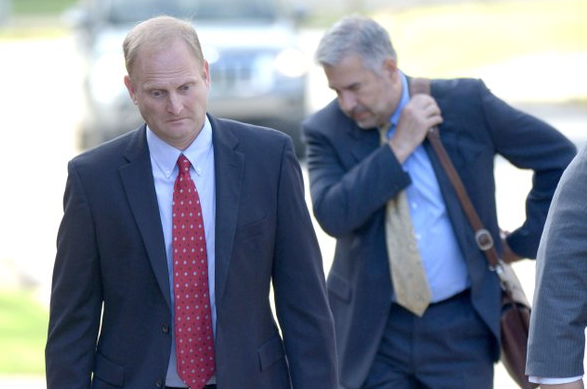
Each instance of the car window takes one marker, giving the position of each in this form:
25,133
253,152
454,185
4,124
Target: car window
131,11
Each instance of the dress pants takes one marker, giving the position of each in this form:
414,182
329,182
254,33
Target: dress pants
449,347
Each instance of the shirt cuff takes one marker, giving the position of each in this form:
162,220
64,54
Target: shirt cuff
553,381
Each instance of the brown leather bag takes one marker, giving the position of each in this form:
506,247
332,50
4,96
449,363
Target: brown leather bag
515,308
515,322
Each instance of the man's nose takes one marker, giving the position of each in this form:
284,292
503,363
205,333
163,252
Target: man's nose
174,104
347,101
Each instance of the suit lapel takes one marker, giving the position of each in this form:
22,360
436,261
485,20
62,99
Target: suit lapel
137,180
363,141
229,166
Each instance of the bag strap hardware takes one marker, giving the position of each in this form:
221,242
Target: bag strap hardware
484,239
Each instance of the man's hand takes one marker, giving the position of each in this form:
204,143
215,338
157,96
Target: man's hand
507,254
417,117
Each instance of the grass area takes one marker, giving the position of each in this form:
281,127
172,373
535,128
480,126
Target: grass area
429,39
40,7
444,40
23,332
34,19
32,32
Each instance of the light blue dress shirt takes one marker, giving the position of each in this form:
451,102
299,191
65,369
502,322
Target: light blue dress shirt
164,164
442,258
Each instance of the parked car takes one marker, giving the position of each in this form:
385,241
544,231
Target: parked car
258,72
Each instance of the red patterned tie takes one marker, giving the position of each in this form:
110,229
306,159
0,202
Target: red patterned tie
193,317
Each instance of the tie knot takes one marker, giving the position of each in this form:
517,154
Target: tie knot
383,130
184,164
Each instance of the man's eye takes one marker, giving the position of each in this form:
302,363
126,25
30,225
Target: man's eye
156,93
185,88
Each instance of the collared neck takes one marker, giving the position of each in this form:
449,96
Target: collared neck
405,98
165,156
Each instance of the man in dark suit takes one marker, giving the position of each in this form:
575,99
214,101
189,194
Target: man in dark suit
357,173
115,319
556,346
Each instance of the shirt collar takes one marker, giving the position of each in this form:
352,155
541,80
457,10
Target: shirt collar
403,100
165,156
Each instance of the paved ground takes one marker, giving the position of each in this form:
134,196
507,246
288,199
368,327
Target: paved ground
41,101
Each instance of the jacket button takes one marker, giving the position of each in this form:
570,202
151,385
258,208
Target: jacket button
159,383
165,329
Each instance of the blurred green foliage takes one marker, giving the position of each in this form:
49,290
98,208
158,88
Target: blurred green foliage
23,332
40,7
448,40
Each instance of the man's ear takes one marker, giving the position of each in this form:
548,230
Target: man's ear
130,88
390,67
206,74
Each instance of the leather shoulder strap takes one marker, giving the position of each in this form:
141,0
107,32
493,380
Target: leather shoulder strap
419,86
482,235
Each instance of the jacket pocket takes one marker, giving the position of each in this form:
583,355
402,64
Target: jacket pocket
108,371
271,352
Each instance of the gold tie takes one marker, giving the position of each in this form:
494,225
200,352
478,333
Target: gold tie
405,263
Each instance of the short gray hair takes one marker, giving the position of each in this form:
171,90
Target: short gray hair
356,34
159,32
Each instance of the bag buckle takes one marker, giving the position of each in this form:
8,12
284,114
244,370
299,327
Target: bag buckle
484,239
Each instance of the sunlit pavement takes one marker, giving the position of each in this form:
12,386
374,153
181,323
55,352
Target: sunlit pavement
41,107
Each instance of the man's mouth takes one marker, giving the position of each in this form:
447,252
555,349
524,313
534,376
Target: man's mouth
358,114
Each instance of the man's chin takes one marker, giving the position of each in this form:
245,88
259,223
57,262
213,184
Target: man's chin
364,121
365,124
180,126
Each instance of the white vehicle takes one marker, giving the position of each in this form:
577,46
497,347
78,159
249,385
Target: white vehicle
258,72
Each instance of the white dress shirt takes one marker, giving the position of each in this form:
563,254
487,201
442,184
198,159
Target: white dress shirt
164,165
553,381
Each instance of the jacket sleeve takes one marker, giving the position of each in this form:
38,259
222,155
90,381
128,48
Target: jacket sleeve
528,143
76,295
299,286
557,330
346,192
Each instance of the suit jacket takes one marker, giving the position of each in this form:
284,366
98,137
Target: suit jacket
352,177
556,345
110,320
